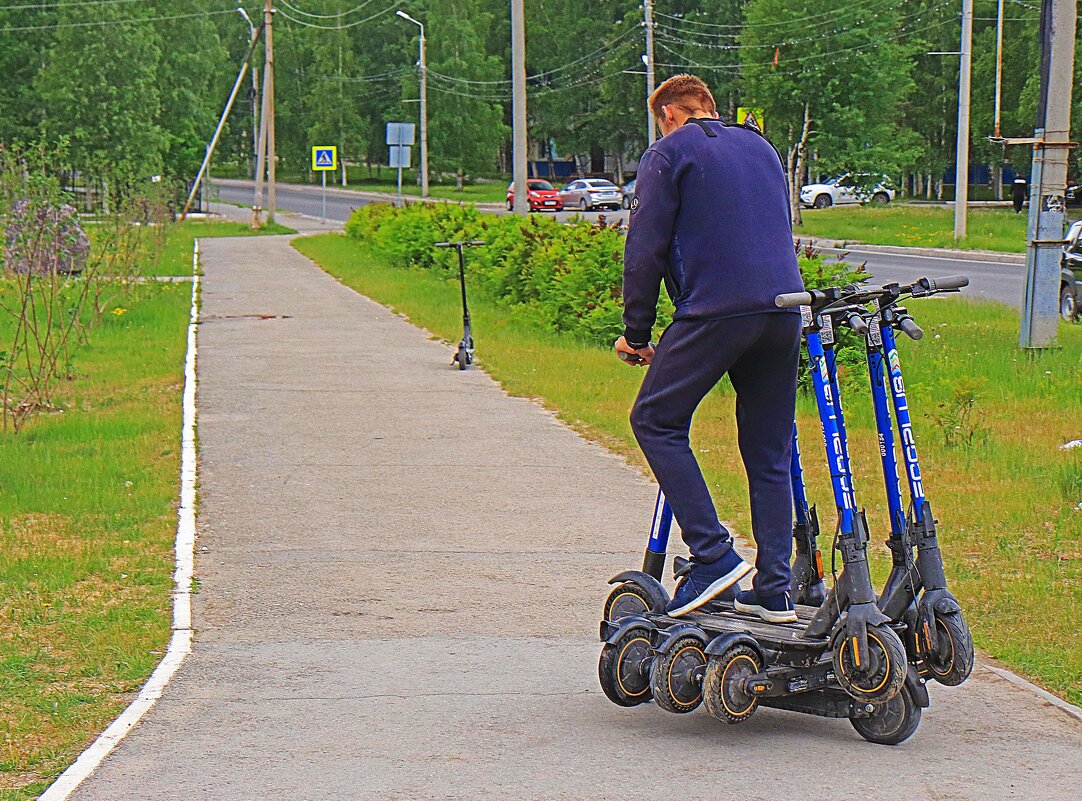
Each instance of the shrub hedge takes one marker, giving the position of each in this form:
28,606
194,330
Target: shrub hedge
565,277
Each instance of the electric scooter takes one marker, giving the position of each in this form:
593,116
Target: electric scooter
464,354
939,635
840,660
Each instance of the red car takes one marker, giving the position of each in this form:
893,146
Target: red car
543,196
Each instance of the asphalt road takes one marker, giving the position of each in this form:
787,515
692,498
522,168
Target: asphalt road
990,280
401,573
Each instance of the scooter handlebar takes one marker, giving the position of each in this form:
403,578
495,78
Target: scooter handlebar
946,282
910,328
857,323
790,300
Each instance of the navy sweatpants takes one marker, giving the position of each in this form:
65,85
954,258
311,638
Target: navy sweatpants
759,353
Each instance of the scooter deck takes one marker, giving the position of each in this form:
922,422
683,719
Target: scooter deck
724,619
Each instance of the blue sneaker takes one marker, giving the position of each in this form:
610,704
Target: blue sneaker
705,582
772,609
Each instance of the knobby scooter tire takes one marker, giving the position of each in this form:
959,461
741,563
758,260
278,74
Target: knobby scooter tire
623,669
626,599
676,676
883,677
951,661
724,695
892,722
463,359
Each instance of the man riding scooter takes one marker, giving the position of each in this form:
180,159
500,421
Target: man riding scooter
710,218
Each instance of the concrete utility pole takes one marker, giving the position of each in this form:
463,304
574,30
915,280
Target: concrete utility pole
255,91
961,160
999,66
265,161
1048,175
648,17
518,116
422,64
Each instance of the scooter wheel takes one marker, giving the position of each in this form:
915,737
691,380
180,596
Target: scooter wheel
724,695
624,668
463,359
676,676
881,678
951,661
892,722
626,599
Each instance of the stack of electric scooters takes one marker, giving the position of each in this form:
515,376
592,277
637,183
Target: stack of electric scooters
852,653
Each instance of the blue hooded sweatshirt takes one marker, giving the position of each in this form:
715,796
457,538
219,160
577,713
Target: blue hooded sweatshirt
710,218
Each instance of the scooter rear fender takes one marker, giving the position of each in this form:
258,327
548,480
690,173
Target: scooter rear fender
724,642
611,632
674,633
659,598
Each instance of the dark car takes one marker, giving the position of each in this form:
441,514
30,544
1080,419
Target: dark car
542,195
1070,280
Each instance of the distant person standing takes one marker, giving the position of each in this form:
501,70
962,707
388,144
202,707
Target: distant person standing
1019,190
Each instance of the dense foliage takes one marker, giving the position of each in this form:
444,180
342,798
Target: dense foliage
566,278
140,85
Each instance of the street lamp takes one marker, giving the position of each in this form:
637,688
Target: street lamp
424,102
255,92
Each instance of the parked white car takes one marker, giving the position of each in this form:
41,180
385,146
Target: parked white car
591,193
844,189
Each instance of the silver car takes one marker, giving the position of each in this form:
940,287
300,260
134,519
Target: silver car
591,193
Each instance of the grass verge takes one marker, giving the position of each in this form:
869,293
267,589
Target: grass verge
916,226
87,521
990,421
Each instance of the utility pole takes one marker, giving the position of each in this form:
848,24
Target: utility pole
205,166
1048,175
648,15
422,64
255,90
961,160
268,87
999,65
264,121
519,138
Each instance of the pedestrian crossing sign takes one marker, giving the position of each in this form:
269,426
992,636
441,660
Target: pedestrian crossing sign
325,158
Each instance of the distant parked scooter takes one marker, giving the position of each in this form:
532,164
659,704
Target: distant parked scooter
464,355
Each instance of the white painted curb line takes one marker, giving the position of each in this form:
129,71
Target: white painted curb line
180,645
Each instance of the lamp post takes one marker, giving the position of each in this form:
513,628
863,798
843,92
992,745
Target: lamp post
255,92
424,101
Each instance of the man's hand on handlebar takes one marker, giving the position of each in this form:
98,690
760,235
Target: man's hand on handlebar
637,356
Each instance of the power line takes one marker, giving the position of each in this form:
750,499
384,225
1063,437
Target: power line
107,22
303,13
800,21
340,26
37,6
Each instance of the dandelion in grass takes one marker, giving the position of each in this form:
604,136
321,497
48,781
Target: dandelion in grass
119,310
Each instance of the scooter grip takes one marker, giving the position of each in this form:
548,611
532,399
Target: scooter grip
856,322
948,282
910,328
790,300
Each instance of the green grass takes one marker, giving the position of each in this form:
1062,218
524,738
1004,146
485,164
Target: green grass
916,226
175,257
87,521
1011,527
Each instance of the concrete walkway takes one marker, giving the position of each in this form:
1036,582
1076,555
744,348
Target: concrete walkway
401,575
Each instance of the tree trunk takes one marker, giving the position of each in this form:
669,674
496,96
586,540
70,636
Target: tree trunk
460,180
795,167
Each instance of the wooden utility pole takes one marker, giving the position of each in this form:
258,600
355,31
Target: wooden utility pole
519,138
265,157
1048,175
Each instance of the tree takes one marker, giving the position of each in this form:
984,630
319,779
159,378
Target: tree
831,76
99,86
